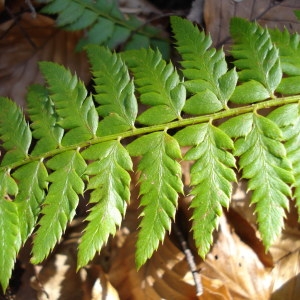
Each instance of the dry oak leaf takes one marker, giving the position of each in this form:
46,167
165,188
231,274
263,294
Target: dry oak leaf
237,266
217,15
286,273
26,41
165,276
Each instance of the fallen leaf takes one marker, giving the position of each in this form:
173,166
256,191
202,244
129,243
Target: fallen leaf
26,42
237,266
217,15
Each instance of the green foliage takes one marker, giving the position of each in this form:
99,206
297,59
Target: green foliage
158,168
71,142
258,61
110,185
104,23
158,84
211,178
204,69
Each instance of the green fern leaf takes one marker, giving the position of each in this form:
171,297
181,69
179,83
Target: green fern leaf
96,15
263,161
115,91
160,183
76,111
9,227
44,120
211,178
288,119
61,201
110,184
14,132
32,184
289,51
205,69
258,61
158,84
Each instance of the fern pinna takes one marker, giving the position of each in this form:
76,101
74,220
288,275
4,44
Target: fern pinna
74,142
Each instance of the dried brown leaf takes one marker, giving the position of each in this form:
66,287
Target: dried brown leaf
217,15
237,266
165,276
26,41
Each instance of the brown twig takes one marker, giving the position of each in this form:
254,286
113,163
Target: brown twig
190,260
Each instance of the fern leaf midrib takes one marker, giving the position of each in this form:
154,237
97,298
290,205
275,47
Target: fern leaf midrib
161,127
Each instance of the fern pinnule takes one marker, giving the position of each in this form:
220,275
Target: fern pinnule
211,178
32,182
264,163
14,132
289,51
44,120
288,45
159,86
257,60
10,240
115,91
160,183
60,203
204,69
110,185
288,119
75,109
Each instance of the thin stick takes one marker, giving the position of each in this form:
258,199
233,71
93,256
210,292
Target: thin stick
190,260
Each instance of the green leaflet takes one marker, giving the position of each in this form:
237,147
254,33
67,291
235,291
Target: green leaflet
204,68
61,201
76,111
257,59
109,183
14,132
44,120
9,227
158,84
32,184
288,119
115,91
160,183
289,50
263,161
96,15
211,178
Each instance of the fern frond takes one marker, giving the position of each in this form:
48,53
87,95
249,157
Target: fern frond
257,59
44,120
14,132
9,227
204,68
263,161
76,110
160,183
61,201
211,177
32,182
109,183
96,15
159,86
289,51
115,91
288,119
